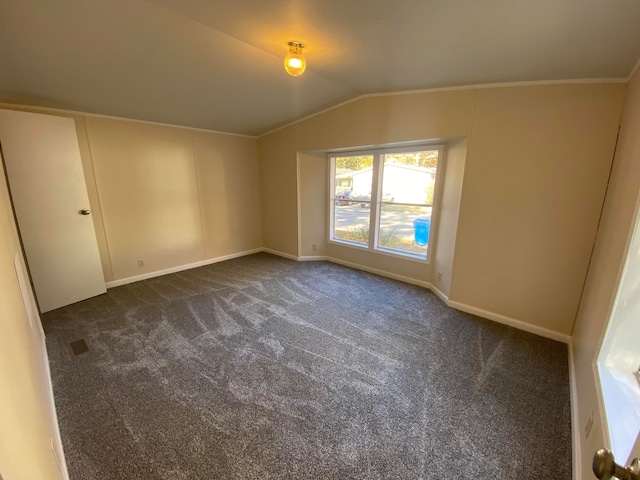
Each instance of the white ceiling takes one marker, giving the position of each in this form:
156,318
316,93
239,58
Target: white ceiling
217,64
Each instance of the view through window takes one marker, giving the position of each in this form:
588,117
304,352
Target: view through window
384,200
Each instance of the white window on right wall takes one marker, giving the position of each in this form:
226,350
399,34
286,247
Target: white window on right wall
389,204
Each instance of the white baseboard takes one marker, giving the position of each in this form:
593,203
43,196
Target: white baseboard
496,317
180,268
575,427
382,273
439,293
512,322
280,254
317,258
56,441
544,332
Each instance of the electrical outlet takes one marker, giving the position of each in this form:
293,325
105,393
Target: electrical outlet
140,263
439,276
314,247
587,429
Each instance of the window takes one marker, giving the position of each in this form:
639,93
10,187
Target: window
383,200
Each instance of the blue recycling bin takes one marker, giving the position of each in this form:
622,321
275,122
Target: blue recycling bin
422,227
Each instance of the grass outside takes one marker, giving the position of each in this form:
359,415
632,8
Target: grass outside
388,238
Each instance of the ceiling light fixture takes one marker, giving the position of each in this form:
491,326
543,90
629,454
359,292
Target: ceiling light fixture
294,62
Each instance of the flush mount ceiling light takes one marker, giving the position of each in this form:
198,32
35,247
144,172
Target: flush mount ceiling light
294,62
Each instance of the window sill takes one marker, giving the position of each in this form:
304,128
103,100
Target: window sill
380,251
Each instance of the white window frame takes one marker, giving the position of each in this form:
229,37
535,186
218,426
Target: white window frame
376,203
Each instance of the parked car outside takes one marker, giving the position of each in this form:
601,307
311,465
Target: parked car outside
365,198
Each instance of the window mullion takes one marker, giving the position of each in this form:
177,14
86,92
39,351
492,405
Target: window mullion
332,189
375,204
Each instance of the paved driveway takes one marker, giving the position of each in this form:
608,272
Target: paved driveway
400,221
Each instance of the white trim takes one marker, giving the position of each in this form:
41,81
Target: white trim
57,440
382,273
496,317
180,268
31,310
439,293
532,83
103,221
379,251
375,271
375,210
512,322
604,421
113,117
316,258
298,203
634,70
520,325
280,254
575,427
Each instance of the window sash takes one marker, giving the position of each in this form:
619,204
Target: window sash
376,203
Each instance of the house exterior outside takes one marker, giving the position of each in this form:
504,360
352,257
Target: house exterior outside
402,183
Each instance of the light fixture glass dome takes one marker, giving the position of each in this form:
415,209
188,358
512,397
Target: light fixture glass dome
294,62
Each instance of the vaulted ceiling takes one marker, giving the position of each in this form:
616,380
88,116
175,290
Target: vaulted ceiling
218,64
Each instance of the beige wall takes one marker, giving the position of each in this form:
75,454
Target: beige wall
172,196
28,423
229,190
604,271
278,191
537,163
536,170
386,119
167,195
365,122
534,185
448,209
147,184
313,177
313,172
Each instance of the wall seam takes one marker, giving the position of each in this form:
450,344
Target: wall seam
604,200
299,212
200,216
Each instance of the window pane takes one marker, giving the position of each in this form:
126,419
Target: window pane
404,228
351,197
409,177
351,223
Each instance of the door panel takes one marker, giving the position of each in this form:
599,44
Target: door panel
47,185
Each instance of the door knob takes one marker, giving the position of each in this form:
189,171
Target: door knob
606,468
85,211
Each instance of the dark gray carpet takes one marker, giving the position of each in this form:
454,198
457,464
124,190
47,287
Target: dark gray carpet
261,367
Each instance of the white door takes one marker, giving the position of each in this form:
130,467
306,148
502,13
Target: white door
50,198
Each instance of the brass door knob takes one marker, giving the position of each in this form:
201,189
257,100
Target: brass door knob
606,468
